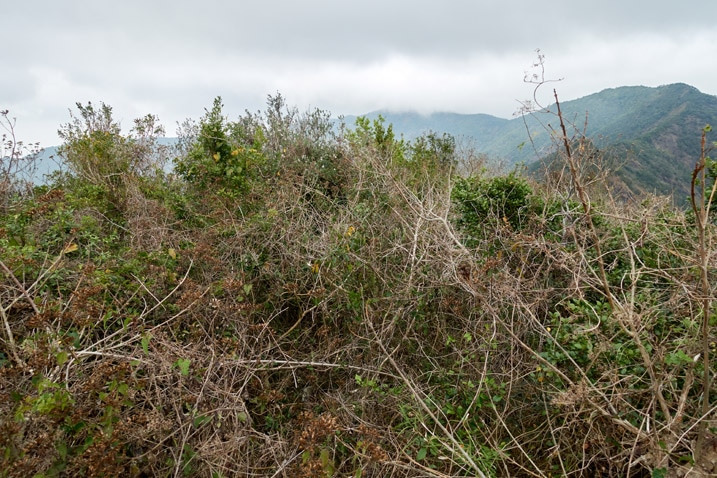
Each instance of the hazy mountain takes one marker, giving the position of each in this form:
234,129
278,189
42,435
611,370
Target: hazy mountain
43,163
653,133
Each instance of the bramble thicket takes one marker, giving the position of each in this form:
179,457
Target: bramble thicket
281,296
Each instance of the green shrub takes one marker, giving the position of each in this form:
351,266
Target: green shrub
482,203
218,162
98,154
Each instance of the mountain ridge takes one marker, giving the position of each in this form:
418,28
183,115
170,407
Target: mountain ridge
655,129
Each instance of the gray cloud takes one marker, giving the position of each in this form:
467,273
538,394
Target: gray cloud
172,58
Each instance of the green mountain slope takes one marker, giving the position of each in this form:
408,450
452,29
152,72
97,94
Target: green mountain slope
652,132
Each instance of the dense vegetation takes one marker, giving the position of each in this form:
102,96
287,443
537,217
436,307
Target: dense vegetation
300,300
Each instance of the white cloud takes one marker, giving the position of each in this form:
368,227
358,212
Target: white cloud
173,58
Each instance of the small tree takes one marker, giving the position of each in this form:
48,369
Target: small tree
96,151
92,143
213,159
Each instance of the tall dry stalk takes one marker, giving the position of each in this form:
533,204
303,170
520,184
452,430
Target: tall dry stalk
701,198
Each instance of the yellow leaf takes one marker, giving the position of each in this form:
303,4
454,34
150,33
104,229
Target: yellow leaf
235,152
172,253
71,247
216,156
315,268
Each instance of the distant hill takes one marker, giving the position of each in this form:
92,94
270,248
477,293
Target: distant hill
653,132
45,162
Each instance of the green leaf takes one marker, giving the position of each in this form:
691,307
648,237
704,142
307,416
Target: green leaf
326,462
61,358
421,455
183,366
122,389
61,448
659,473
145,344
201,420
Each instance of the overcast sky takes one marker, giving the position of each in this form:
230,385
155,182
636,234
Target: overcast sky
171,58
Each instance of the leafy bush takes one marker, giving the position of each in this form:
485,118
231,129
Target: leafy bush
483,203
99,154
218,162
